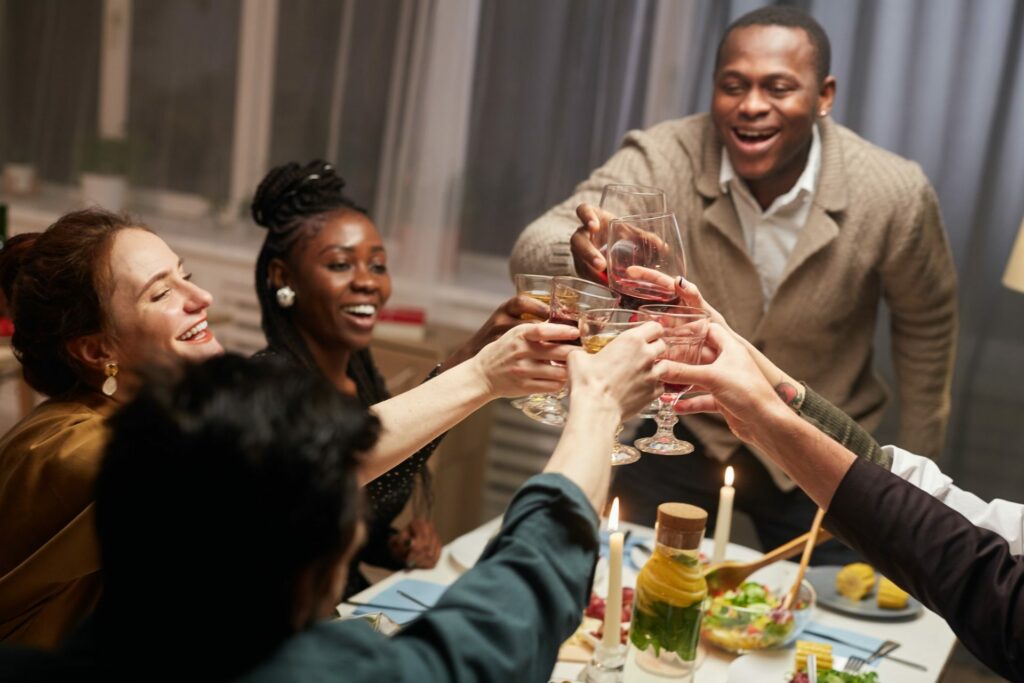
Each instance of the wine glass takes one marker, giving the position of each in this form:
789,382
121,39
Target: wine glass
651,241
627,200
686,328
630,200
598,327
536,287
570,298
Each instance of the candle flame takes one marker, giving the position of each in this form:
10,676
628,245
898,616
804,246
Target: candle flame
613,516
730,475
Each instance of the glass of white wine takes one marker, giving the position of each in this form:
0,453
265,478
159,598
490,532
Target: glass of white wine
536,287
598,327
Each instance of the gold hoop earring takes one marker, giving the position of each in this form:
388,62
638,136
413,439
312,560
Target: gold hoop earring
110,383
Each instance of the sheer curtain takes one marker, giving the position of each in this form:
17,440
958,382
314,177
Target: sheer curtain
181,103
556,86
940,82
49,66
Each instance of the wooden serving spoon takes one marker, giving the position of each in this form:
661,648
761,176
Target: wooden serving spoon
812,541
728,575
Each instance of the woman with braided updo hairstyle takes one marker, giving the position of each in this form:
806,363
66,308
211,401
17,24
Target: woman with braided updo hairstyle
322,278
96,299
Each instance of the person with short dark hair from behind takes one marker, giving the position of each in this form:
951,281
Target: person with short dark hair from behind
228,510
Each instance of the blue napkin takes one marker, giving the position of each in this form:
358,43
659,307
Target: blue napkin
870,643
631,542
400,609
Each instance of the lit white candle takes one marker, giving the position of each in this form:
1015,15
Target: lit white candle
613,605
723,525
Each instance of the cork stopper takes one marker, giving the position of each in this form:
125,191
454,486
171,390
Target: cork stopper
681,525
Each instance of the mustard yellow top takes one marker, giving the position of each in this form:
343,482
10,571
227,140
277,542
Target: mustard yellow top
49,555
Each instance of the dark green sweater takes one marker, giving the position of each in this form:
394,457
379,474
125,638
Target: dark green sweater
503,620
842,428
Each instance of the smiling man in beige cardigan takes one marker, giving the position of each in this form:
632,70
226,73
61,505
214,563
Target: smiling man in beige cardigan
795,229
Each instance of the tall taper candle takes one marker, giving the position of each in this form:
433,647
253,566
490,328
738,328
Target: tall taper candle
723,524
613,605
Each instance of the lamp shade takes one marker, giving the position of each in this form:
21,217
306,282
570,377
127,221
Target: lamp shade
1013,277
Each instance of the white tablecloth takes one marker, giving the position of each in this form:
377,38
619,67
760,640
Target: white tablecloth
926,640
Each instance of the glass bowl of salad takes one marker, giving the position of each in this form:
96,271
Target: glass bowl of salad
751,617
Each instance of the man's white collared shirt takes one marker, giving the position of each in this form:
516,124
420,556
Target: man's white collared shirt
772,234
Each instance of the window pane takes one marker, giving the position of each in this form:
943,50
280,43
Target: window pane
309,36
49,81
184,58
548,109
307,46
365,105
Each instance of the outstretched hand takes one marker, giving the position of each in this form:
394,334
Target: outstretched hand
738,389
625,371
515,311
519,362
587,241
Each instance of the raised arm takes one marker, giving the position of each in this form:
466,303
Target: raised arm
919,282
515,364
964,573
505,619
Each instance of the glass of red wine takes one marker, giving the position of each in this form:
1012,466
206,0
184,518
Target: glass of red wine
686,328
570,298
650,241
627,200
598,327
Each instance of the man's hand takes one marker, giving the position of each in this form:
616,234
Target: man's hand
588,241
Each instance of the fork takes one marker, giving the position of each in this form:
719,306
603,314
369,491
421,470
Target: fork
855,663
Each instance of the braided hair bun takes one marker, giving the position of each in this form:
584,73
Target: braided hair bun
292,192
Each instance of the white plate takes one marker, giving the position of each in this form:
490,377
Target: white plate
466,549
771,666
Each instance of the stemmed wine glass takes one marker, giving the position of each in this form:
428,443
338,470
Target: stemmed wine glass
650,241
630,200
626,200
686,328
597,328
535,287
570,298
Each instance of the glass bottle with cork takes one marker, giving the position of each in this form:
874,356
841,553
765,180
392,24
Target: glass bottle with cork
670,593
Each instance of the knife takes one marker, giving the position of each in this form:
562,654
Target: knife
912,665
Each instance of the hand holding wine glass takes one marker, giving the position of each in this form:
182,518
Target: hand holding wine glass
598,327
570,298
590,240
686,329
649,241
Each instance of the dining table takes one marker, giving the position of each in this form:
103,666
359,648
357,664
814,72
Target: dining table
925,640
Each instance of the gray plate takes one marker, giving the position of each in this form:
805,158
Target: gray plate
824,581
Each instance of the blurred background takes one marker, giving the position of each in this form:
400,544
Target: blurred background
456,122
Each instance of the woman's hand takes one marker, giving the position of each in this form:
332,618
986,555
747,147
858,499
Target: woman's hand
738,389
417,545
624,373
515,311
520,361
789,389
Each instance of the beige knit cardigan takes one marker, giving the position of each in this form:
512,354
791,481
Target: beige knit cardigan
874,232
